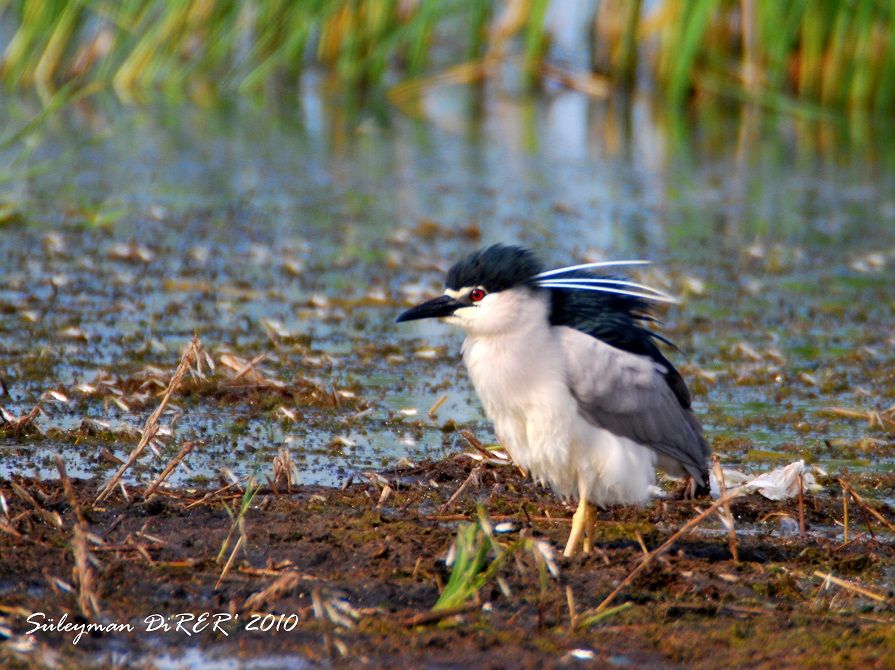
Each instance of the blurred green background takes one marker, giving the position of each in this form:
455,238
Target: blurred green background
825,53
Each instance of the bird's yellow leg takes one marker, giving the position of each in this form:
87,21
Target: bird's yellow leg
589,518
578,523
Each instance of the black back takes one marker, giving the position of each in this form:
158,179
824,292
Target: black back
618,321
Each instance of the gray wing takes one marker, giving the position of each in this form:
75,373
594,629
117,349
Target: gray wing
627,394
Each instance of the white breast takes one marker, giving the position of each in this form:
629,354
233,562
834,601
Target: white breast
521,381
518,365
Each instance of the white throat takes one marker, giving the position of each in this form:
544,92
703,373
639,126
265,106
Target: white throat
508,364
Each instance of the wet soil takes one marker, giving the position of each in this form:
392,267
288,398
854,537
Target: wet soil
355,572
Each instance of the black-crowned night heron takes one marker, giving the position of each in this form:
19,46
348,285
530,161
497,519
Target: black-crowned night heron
580,395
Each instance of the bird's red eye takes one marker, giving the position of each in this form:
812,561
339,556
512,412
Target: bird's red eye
477,294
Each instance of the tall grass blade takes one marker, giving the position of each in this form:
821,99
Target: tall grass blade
534,39
694,22
838,53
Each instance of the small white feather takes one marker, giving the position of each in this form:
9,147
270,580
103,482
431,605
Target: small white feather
604,289
600,281
586,266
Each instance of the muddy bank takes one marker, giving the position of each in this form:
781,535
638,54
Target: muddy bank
350,576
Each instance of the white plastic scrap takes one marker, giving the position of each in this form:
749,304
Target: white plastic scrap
778,484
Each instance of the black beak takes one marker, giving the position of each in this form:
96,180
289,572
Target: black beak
443,305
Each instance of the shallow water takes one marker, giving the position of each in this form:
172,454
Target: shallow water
194,658
144,225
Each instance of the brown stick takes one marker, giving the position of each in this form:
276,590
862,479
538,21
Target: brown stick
211,494
282,584
88,601
437,615
731,530
827,577
801,506
501,517
229,562
475,444
473,476
573,614
844,516
320,614
562,520
665,546
69,490
22,422
151,426
858,499
12,531
49,517
248,367
172,464
433,410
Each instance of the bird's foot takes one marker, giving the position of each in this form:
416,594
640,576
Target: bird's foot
692,489
582,524
589,519
687,491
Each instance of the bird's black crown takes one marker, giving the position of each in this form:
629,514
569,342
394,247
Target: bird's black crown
496,268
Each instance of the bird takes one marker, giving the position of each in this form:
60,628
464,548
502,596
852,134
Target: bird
572,378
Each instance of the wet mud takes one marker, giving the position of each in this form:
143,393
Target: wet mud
353,573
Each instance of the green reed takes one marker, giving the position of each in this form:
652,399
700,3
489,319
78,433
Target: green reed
830,53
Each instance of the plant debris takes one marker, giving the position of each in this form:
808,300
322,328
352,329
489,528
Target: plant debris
363,577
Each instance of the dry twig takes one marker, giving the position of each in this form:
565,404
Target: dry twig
211,494
229,562
801,506
172,465
475,444
858,499
472,479
320,615
280,586
190,354
665,546
437,615
728,515
51,518
69,490
844,516
17,424
849,586
433,410
570,601
82,573
248,367
873,417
